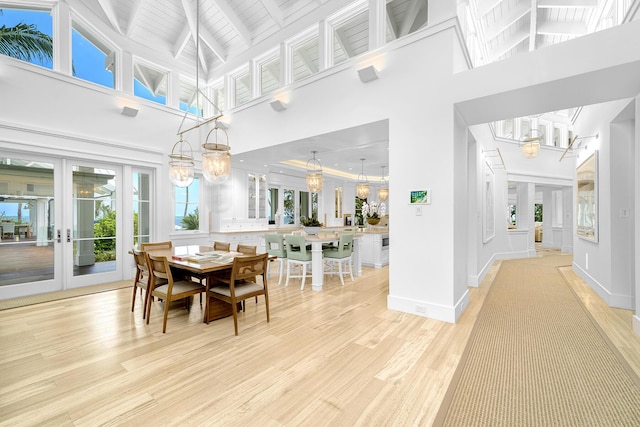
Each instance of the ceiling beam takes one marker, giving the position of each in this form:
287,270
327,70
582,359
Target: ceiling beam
274,11
485,6
134,14
508,44
533,25
212,43
233,19
391,22
107,7
307,61
346,48
181,42
410,16
567,4
563,29
192,22
507,20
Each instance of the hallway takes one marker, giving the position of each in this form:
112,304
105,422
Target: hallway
338,356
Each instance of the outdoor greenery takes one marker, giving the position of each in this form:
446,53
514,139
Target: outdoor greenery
104,231
310,222
191,221
538,212
26,43
289,206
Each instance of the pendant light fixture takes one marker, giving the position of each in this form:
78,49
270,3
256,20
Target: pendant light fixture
181,165
314,174
530,145
216,159
362,187
383,190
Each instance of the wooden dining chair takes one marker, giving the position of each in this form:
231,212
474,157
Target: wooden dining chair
222,246
150,246
172,290
247,250
242,284
141,280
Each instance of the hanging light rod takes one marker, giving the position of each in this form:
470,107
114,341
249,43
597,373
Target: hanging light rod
596,136
197,125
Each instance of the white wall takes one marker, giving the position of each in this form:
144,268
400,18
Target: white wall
595,261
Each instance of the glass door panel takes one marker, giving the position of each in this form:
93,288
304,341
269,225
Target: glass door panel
94,221
30,255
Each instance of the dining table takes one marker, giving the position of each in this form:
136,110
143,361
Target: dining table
317,258
201,261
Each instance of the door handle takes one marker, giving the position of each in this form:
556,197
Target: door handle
68,235
58,233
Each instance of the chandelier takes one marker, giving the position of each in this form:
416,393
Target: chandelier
530,145
362,187
216,159
314,174
383,191
181,165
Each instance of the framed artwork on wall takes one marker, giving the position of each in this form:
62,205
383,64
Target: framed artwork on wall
488,203
587,198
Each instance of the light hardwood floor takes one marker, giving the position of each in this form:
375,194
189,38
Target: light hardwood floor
336,357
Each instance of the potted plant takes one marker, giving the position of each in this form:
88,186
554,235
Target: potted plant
372,212
311,225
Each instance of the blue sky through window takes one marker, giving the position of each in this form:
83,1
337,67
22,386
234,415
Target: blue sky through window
42,19
88,60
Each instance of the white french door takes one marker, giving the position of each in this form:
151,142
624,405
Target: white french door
92,222
59,222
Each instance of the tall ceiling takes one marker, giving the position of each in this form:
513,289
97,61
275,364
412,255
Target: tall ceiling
231,32
508,27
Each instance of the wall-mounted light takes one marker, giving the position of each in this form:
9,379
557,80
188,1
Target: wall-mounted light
278,105
368,74
129,111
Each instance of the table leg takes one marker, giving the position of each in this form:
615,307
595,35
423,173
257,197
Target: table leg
317,273
357,263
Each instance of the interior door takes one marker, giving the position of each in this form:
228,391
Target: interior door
30,250
92,222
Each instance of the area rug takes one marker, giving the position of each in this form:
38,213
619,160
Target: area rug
54,296
537,358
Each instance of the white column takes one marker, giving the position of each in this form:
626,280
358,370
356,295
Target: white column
62,38
377,23
547,218
325,39
567,219
124,73
530,218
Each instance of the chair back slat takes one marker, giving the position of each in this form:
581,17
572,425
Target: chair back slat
159,267
140,260
247,249
275,245
248,267
155,245
221,246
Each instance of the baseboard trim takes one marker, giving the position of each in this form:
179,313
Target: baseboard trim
612,300
475,280
441,312
636,324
